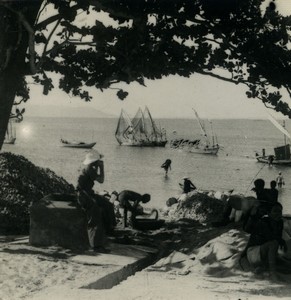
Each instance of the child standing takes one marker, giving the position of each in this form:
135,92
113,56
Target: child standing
280,180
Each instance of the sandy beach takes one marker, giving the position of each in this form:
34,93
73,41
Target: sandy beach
204,267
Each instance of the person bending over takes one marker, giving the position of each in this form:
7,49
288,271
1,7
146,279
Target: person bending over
129,201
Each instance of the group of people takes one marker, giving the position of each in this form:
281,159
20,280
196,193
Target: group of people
99,209
264,223
263,220
187,184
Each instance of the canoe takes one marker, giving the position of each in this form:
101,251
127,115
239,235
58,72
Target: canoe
78,145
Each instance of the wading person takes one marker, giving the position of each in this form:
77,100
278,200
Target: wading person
88,200
280,180
166,166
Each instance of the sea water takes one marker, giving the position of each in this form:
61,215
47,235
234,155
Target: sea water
139,169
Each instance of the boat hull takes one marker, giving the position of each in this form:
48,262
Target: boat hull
79,146
209,150
144,144
265,160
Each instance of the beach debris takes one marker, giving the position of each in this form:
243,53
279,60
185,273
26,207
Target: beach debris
23,183
198,206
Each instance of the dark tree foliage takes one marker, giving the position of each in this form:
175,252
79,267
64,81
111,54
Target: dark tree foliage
231,40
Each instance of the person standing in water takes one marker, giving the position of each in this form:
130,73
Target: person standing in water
166,166
280,180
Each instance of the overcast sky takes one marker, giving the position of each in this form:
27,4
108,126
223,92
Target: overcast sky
172,97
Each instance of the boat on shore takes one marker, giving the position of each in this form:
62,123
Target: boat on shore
205,145
10,136
81,145
141,131
282,154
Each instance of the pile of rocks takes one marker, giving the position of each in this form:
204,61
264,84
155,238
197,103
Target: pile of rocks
23,183
199,206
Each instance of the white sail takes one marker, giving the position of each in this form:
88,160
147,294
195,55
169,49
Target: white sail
200,123
124,127
139,131
279,126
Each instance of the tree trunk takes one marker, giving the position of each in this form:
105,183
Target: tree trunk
13,48
7,95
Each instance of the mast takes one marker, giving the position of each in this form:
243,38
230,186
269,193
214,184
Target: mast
212,133
285,140
279,126
153,126
201,127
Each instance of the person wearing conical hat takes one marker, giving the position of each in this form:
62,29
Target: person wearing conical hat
187,185
88,200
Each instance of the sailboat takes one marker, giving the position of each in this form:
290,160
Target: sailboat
208,144
140,131
205,145
282,155
10,136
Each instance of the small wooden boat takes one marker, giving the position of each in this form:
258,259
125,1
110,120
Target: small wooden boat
273,160
282,154
205,145
80,145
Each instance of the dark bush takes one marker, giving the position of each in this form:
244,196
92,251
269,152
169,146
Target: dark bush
23,183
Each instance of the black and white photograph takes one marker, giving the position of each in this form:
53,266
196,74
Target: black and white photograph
145,149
